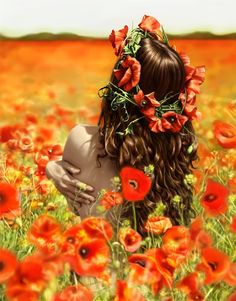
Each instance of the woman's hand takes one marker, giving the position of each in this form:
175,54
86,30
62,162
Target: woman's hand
63,174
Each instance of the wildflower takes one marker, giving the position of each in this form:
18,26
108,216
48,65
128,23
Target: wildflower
125,292
158,224
230,276
233,225
91,258
130,239
214,199
8,264
9,199
135,184
45,233
75,293
97,227
214,263
225,134
111,199
149,24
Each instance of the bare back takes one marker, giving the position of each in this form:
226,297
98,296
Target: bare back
81,149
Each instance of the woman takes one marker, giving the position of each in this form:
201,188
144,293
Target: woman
146,116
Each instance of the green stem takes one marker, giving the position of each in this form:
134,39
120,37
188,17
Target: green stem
134,214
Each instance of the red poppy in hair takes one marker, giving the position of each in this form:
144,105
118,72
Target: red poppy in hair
92,257
149,24
8,264
225,134
9,199
135,184
130,239
176,240
214,199
158,224
233,225
74,293
45,233
126,292
214,263
147,104
111,199
230,276
172,121
97,227
128,73
117,38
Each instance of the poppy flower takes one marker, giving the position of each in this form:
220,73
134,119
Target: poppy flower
149,24
147,103
130,239
117,39
128,73
230,276
189,283
233,225
8,264
214,199
225,134
45,233
7,132
135,184
176,240
91,257
195,227
214,263
111,199
232,297
172,121
163,267
75,293
143,269
203,240
97,227
125,292
9,199
158,224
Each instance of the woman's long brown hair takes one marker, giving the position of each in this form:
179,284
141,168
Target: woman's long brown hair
162,71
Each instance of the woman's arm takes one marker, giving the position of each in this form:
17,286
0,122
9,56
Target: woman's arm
64,175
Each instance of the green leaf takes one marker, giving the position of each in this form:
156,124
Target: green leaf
190,149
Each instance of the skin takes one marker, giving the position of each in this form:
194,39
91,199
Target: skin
78,165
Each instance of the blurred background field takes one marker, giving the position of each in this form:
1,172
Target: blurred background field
37,76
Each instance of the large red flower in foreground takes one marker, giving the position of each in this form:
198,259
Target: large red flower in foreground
45,233
128,73
135,184
225,134
9,199
126,292
97,227
214,263
74,293
117,39
214,199
130,239
8,264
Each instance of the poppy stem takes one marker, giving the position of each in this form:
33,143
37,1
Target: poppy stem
134,215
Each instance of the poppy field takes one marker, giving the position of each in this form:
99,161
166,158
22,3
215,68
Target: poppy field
46,252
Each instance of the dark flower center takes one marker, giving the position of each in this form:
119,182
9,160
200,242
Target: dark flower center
141,262
171,119
143,103
83,252
133,184
213,265
227,134
70,239
2,265
2,198
210,197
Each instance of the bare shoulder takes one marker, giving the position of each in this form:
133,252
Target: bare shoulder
80,140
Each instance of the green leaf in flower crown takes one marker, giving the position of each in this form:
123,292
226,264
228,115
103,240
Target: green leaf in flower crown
129,130
135,48
165,38
127,49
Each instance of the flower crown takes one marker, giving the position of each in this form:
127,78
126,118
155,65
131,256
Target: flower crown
161,116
